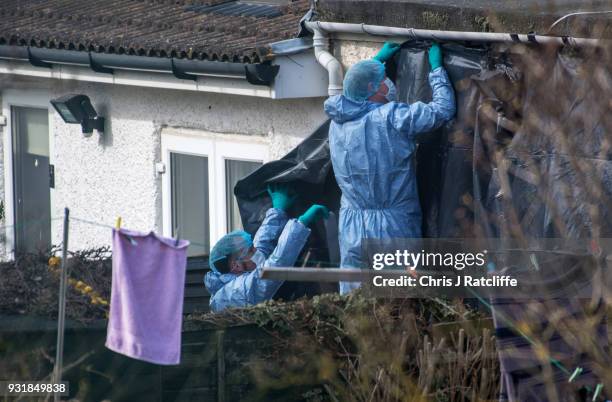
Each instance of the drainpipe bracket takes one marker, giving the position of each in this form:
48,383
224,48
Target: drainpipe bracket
181,74
97,67
260,74
36,62
531,37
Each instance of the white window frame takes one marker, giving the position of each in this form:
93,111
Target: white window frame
22,98
217,148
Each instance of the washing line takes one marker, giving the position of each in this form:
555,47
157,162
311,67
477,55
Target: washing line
29,221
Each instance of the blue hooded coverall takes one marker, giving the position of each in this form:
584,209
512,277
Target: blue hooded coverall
231,290
372,149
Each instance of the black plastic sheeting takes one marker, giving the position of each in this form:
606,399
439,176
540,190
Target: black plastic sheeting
457,172
460,185
542,168
444,172
528,155
308,170
444,157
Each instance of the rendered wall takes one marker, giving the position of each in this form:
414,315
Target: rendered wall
349,52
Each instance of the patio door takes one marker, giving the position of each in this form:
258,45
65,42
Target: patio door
201,172
31,178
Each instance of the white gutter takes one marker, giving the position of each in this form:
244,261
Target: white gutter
329,62
231,86
449,36
300,76
334,68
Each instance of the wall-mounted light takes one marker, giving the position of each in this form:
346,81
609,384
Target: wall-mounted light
77,109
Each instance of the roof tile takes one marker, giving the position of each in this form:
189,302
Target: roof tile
162,28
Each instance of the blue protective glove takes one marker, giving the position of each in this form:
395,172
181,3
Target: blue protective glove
387,51
435,56
282,197
313,214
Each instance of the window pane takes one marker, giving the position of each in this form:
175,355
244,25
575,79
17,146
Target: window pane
190,209
34,129
234,171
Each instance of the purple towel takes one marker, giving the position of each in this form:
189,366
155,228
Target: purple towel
146,311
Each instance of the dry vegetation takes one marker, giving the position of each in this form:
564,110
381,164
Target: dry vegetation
30,285
359,348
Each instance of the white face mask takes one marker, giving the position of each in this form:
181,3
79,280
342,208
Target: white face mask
391,95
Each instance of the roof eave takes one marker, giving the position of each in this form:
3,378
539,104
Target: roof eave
187,69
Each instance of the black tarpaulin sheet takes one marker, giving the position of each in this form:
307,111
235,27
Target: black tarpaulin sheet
308,167
556,163
546,173
444,157
461,191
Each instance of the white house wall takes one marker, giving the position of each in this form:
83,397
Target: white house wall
102,178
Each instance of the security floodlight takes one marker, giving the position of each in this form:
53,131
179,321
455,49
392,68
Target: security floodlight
77,109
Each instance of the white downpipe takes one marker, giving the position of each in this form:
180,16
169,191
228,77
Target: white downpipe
483,37
328,61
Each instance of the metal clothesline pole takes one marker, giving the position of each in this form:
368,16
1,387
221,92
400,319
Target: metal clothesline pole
61,315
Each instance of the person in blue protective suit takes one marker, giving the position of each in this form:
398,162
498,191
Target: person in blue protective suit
372,144
236,260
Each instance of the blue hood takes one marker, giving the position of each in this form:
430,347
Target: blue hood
341,109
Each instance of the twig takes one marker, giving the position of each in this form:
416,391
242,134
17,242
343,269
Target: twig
330,392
